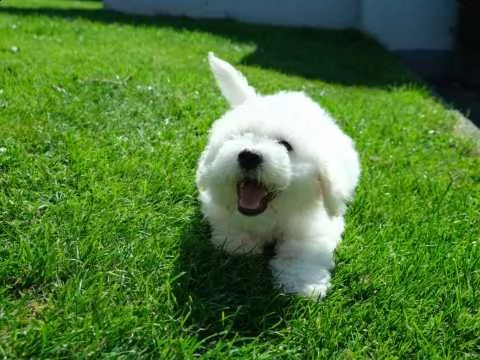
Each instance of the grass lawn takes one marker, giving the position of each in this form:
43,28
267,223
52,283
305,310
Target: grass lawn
103,251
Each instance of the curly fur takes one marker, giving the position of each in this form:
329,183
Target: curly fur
312,182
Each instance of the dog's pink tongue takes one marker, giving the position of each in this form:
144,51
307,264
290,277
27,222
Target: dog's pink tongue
251,195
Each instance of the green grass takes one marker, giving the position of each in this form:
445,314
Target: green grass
103,252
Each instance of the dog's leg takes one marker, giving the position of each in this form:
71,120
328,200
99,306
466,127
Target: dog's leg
304,257
302,270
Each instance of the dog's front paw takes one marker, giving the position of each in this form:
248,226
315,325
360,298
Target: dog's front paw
296,275
314,290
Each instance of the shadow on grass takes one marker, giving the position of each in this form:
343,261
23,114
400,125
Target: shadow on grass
226,296
345,57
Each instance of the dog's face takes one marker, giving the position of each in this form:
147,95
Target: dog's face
268,153
258,157
256,167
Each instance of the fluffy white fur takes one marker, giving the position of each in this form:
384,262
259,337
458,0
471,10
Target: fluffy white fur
313,182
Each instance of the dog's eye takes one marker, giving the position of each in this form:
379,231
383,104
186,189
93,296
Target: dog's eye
286,144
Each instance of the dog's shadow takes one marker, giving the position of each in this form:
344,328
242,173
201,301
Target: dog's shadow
222,295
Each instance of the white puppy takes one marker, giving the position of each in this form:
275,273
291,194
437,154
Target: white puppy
277,169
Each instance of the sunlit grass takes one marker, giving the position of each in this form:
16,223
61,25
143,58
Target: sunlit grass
103,252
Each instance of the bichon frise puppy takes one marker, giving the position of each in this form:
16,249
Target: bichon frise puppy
277,169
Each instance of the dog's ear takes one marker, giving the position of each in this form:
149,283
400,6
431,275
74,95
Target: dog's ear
338,178
232,83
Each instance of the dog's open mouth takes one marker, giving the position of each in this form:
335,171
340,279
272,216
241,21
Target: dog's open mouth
252,197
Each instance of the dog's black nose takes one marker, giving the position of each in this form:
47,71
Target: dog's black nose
249,160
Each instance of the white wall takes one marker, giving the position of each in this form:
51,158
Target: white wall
397,24
410,24
316,13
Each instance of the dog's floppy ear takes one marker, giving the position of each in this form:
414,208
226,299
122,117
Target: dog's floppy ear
338,178
232,83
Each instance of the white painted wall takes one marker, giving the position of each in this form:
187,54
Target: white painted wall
397,24
316,13
410,24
